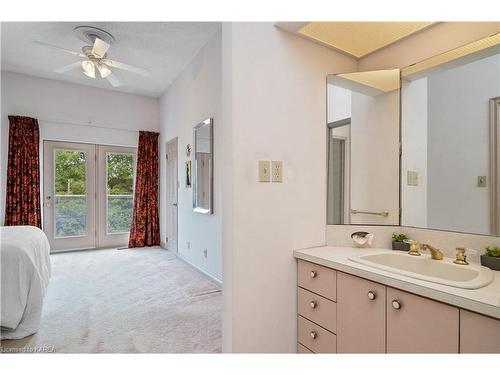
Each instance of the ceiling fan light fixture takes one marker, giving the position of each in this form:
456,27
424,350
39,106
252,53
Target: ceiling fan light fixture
88,68
104,71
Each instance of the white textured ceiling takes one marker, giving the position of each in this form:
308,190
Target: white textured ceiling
163,48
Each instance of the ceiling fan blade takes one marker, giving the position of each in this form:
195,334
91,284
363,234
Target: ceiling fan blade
115,82
122,66
58,48
100,48
67,68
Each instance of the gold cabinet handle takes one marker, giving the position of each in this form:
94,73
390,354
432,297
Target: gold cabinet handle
371,295
314,274
314,334
313,304
396,305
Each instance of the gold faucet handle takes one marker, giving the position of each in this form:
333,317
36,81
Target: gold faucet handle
461,255
414,247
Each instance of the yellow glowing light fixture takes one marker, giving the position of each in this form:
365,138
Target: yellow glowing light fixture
381,80
88,68
358,39
455,54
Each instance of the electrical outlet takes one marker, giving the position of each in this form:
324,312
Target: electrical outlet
188,245
412,178
205,253
277,170
264,171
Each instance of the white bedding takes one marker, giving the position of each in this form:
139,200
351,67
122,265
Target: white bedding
25,273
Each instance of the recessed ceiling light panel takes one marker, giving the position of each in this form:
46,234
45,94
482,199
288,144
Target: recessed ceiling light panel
358,39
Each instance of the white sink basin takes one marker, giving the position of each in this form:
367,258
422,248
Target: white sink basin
472,276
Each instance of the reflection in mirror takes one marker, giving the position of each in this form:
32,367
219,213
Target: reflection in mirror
450,139
363,148
203,167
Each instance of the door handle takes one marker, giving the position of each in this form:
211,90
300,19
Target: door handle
48,199
174,204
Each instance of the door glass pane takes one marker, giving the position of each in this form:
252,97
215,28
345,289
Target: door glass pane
70,203
120,191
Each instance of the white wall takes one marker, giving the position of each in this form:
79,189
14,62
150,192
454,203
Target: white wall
414,142
65,110
193,97
339,103
375,157
274,106
458,145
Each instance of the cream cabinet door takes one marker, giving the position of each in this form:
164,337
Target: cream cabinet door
360,315
478,333
419,325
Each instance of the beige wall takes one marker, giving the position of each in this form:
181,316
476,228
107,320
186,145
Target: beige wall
274,108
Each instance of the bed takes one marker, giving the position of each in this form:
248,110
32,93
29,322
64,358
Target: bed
25,273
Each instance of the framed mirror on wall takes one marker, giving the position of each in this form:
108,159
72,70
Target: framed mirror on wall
450,140
202,169
363,147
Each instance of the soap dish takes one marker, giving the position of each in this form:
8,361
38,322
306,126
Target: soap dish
362,239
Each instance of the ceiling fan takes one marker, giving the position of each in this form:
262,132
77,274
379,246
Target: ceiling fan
95,56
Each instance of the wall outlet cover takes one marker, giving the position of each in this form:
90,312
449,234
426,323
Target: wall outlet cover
277,171
264,171
412,178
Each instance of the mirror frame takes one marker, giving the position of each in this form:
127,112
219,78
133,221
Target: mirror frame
194,171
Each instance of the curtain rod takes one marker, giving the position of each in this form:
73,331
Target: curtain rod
90,125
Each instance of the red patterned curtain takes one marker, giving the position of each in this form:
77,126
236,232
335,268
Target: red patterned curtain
145,228
22,203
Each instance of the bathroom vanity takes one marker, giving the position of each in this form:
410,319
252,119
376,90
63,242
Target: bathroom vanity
348,307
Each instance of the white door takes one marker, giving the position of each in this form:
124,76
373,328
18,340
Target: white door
115,191
69,195
172,186
88,195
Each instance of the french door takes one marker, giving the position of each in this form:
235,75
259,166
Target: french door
88,194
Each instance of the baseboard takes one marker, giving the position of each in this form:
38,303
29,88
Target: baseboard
214,279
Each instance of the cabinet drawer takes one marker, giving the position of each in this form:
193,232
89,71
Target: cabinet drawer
301,349
318,309
318,279
479,334
317,339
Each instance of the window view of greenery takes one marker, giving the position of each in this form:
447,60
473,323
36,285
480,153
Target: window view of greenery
120,188
70,201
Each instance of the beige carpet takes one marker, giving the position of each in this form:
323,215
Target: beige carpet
127,301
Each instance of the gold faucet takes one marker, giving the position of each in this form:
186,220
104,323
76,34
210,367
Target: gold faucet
415,248
435,252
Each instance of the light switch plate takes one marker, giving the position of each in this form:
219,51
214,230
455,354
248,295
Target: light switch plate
481,181
264,171
277,171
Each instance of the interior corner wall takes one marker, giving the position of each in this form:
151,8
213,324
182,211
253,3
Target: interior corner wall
277,112
65,110
193,97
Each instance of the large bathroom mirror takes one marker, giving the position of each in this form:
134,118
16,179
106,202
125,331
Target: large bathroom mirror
363,147
203,167
450,176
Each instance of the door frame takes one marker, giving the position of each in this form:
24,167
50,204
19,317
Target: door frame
167,221
495,165
96,188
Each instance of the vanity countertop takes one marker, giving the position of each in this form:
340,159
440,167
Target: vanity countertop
485,300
